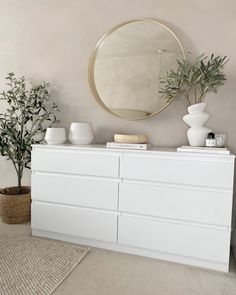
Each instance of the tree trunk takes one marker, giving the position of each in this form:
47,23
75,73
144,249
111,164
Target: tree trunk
19,184
19,176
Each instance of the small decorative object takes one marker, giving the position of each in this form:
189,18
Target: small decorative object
24,122
220,140
55,135
196,119
210,140
131,138
81,133
193,82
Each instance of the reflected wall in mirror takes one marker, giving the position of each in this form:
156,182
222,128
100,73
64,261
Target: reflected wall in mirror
126,66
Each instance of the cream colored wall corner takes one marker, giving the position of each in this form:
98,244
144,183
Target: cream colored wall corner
53,40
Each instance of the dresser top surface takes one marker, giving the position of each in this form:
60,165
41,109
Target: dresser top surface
152,150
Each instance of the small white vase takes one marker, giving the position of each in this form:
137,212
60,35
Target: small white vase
196,118
81,133
55,135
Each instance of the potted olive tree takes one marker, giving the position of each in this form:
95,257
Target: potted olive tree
27,115
192,82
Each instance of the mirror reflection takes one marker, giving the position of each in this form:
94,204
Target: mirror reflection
127,65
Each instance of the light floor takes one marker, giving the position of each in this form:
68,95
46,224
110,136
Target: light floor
110,273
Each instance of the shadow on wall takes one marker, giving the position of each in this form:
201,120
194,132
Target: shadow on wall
233,237
187,43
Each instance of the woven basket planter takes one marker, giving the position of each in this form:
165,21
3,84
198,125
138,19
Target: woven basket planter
15,208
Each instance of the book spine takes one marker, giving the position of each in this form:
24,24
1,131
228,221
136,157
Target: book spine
203,151
127,146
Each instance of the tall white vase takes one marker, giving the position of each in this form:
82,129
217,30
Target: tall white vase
196,118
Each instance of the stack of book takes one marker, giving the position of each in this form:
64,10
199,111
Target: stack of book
135,146
209,150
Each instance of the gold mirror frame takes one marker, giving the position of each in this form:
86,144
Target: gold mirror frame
93,60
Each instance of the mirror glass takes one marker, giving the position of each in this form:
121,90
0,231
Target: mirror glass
126,66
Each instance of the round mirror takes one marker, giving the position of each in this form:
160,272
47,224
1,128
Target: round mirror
126,66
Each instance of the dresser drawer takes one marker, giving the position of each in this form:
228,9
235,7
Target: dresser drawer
180,170
175,202
75,162
75,190
74,221
199,242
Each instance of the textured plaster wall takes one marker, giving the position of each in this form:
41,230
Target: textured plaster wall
53,40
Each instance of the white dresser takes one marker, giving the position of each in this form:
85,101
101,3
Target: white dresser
158,203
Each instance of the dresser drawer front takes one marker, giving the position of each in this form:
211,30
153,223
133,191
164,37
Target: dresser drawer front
179,170
75,162
191,241
74,190
74,221
175,202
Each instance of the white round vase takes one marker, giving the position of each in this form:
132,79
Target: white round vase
81,133
196,118
55,135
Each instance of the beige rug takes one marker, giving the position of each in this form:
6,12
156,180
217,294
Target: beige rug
35,266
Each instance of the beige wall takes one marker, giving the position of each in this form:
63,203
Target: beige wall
53,39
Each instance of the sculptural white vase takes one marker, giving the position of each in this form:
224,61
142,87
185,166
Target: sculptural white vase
196,118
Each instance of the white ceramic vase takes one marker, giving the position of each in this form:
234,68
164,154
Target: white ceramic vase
196,118
81,133
55,135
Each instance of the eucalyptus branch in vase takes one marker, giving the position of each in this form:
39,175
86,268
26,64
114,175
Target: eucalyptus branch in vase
193,81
